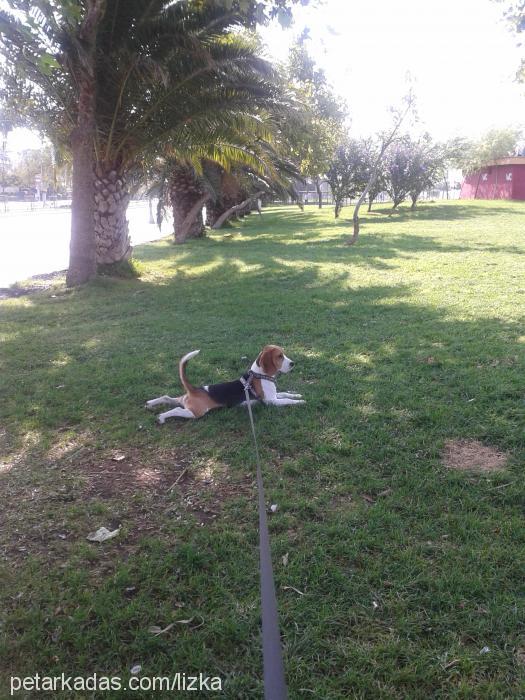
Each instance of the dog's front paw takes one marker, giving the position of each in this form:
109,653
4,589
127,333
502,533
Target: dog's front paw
150,405
160,420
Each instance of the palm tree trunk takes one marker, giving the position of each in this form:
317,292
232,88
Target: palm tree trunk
82,259
242,206
111,226
185,192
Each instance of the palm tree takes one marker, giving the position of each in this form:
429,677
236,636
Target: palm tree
123,80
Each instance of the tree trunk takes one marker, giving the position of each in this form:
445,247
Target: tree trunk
236,209
414,201
319,193
185,192
370,202
150,205
216,209
82,260
111,225
375,170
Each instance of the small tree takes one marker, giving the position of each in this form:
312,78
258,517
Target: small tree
427,167
378,184
314,130
398,170
347,173
377,165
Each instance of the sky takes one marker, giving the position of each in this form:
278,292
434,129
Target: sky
460,55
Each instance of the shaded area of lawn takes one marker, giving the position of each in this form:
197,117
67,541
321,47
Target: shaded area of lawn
408,570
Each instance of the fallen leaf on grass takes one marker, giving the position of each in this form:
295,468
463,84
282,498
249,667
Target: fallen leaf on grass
118,457
386,492
368,498
285,559
156,630
137,668
102,534
292,588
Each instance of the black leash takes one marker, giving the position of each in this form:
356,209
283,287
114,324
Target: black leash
273,666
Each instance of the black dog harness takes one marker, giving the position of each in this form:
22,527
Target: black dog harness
233,393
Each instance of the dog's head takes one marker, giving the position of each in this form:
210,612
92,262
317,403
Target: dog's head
272,360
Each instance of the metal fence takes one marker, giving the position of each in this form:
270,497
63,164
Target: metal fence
11,205
382,198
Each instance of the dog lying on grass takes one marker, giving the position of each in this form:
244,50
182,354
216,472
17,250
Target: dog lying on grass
260,380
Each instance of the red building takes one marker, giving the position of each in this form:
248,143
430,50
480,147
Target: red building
501,179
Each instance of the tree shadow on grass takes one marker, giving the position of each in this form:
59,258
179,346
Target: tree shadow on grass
386,380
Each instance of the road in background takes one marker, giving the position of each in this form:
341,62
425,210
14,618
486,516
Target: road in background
37,242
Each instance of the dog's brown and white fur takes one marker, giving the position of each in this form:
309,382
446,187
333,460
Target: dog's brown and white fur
197,401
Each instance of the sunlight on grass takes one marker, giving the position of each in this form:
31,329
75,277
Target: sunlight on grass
403,343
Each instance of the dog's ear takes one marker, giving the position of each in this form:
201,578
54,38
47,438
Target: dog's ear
258,360
269,360
277,358
265,359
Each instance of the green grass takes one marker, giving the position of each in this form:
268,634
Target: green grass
408,569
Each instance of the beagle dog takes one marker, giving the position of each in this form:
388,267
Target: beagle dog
260,380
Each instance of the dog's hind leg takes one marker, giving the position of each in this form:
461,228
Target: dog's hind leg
175,413
162,400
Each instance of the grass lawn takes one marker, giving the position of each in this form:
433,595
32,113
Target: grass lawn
399,571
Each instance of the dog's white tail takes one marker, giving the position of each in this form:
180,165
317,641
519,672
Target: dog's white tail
182,373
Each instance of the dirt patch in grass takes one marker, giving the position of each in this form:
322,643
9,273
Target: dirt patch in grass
55,506
38,283
472,455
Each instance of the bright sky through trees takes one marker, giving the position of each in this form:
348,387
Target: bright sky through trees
460,54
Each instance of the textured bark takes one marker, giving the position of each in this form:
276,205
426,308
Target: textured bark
111,226
185,192
229,194
236,209
192,214
82,260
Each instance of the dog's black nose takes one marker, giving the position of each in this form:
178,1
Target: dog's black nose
292,363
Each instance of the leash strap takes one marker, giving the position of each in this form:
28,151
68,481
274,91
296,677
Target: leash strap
273,666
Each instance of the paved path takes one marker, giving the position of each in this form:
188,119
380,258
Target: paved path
37,242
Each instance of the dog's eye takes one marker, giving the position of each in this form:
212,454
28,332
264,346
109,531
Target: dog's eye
281,356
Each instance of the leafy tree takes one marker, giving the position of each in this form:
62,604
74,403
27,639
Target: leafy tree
262,11
398,165
470,155
375,166
427,167
378,184
314,130
125,80
413,167
347,173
